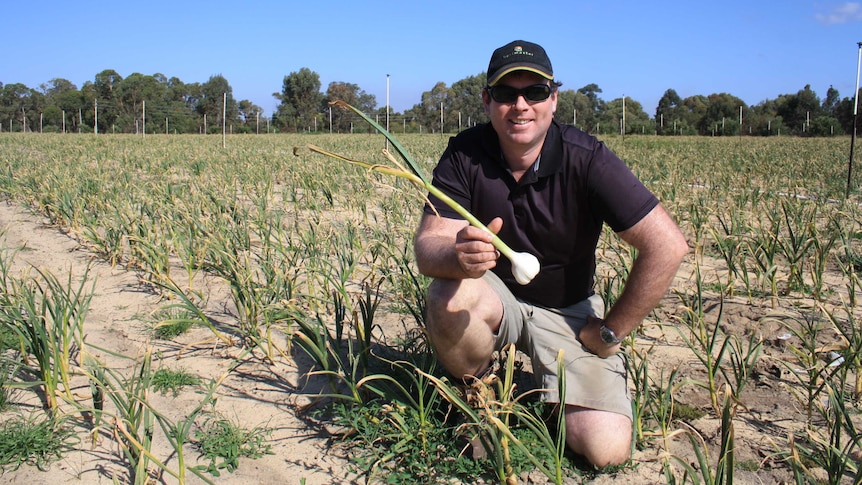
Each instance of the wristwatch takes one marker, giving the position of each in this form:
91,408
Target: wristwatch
608,336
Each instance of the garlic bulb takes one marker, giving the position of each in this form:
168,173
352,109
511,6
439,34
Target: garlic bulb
525,267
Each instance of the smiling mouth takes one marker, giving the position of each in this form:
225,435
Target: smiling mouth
520,122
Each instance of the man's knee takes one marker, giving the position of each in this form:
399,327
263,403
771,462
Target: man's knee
440,305
457,326
603,438
608,453
440,293
451,304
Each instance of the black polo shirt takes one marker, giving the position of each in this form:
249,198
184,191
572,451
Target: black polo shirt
555,211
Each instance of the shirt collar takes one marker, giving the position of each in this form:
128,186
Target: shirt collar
551,157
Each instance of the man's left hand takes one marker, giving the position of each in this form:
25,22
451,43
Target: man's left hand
592,340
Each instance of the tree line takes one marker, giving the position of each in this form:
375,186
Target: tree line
158,104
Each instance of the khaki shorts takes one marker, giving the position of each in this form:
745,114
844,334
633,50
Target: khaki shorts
540,332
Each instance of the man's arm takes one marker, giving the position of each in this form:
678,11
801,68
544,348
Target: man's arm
453,249
661,249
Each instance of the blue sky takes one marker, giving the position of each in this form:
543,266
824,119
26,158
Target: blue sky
753,49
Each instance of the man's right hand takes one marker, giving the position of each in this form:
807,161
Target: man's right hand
474,250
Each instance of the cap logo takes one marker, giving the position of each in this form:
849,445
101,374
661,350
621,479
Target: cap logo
520,50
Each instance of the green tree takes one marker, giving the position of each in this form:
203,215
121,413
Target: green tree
249,116
830,102
466,102
300,100
565,106
106,89
762,119
15,100
428,111
588,107
576,108
343,120
216,98
411,119
134,91
825,126
809,106
57,86
844,113
688,114
592,91
180,101
797,110
636,118
58,92
106,83
667,111
721,116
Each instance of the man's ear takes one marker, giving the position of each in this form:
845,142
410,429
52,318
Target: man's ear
486,102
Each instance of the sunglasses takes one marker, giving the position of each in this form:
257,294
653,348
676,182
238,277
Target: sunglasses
508,94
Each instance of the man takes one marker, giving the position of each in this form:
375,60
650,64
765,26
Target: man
547,189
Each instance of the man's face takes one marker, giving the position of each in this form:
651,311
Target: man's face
521,122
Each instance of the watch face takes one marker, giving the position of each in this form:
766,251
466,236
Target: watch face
608,335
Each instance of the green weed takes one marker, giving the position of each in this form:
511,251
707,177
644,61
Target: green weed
36,440
223,442
173,380
171,322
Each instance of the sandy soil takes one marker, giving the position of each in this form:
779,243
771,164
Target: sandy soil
268,395
253,395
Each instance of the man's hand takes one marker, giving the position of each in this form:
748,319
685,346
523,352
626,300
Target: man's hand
474,250
592,340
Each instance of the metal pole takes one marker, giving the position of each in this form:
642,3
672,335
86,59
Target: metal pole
387,110
623,126
855,118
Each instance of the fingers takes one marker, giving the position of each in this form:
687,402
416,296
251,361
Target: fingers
475,252
476,257
471,232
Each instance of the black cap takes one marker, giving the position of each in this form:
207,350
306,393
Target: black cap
519,55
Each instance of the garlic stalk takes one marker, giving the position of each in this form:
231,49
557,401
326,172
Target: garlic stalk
525,266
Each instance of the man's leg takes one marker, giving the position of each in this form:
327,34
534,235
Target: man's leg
602,437
598,416
462,316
